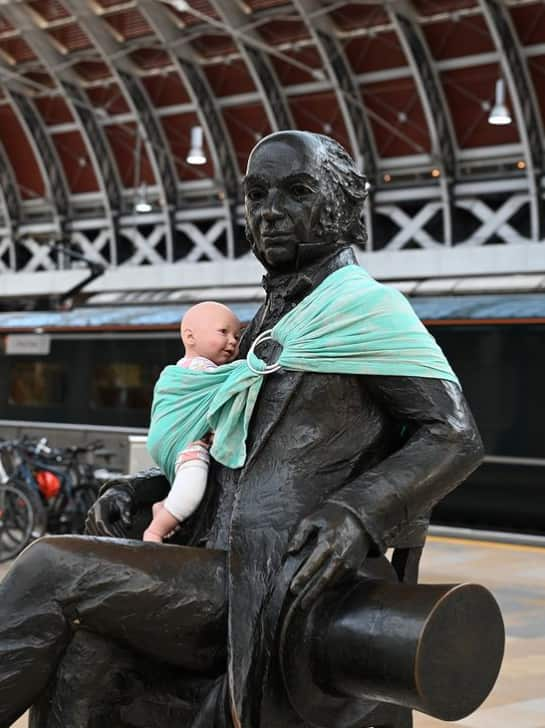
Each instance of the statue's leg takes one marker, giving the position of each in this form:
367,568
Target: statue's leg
100,683
166,602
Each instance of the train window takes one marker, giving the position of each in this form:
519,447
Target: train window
37,384
123,385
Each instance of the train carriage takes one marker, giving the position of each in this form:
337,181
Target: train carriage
89,372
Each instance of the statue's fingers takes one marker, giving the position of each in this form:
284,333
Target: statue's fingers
117,530
321,581
314,563
126,517
304,530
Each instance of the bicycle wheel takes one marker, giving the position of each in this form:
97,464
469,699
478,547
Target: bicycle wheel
17,519
82,499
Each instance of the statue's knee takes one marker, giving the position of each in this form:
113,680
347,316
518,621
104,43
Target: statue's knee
39,561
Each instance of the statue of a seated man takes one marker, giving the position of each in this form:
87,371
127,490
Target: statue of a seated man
338,467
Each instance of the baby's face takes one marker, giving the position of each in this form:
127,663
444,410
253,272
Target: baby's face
217,336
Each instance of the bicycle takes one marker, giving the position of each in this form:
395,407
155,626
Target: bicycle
21,514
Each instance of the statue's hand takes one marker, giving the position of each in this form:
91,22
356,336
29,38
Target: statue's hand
111,515
341,545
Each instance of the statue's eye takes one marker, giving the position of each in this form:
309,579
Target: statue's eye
255,194
300,190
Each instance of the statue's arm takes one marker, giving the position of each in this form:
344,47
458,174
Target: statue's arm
120,500
442,447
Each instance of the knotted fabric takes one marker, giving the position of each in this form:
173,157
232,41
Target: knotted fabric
349,324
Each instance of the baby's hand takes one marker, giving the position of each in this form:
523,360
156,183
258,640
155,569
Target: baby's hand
156,507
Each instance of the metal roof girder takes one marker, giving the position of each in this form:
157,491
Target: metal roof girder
47,156
433,102
9,193
206,107
86,124
514,67
262,71
344,84
138,100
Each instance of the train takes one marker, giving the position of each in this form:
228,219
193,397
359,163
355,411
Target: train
87,373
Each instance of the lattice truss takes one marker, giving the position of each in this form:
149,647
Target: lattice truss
497,219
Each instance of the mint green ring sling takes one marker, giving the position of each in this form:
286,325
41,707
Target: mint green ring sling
349,324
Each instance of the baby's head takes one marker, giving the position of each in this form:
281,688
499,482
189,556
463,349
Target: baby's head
212,330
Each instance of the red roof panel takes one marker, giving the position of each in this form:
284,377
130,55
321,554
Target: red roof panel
397,135
17,50
124,141
466,90
433,7
129,24
110,98
166,90
375,53
352,16
150,58
529,21
320,113
211,45
71,37
229,78
290,74
246,124
76,162
283,31
54,110
92,70
5,26
466,36
49,10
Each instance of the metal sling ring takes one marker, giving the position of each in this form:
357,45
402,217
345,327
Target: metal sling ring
269,368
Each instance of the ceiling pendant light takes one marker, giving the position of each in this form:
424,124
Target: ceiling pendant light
196,153
499,115
141,202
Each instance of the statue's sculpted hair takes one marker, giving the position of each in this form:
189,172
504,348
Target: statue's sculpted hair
347,185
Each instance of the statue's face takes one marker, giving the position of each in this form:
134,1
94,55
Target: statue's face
284,197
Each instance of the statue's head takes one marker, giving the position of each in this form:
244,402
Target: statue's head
303,197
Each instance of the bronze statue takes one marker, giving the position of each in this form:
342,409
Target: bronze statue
339,469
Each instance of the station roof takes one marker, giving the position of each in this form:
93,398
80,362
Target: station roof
98,97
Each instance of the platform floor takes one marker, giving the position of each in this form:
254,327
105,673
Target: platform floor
516,577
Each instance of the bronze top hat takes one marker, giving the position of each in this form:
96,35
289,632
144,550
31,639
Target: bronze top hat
376,644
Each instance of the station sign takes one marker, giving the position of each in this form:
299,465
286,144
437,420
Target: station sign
27,344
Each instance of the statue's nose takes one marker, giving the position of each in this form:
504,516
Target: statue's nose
273,208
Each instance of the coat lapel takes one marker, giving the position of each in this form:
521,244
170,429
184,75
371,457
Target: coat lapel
276,409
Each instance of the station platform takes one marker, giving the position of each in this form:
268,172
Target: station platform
515,574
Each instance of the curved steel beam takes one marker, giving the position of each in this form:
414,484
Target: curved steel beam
433,103
139,102
525,106
261,69
46,155
11,202
95,140
344,85
209,114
